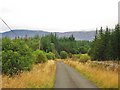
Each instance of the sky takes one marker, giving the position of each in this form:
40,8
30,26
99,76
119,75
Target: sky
58,15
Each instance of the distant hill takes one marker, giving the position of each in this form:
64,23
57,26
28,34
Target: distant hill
79,35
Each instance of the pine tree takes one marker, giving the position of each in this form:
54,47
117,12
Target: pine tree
106,45
117,42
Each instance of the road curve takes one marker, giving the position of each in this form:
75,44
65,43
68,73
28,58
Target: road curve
67,77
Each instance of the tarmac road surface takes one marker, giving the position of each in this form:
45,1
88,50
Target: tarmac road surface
67,77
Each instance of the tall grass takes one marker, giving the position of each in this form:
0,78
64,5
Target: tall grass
102,78
0,81
41,76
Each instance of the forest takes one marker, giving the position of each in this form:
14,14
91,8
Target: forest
106,45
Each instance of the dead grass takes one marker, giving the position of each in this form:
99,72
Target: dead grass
41,76
102,78
0,81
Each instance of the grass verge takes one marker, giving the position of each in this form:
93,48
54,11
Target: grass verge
41,76
102,78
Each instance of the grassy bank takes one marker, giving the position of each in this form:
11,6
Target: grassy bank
102,78
41,76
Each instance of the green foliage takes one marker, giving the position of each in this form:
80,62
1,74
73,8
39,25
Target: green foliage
52,43
106,44
84,58
39,56
16,56
83,49
72,38
50,56
63,54
33,42
45,43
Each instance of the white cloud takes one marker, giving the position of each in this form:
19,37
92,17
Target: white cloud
59,15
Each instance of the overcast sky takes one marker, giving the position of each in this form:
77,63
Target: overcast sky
58,15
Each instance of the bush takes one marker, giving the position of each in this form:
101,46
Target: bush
76,56
39,56
63,54
84,58
50,56
16,56
83,49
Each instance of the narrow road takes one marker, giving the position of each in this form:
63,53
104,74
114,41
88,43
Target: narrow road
67,77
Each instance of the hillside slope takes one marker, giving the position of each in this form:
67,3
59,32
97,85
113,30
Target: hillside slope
79,35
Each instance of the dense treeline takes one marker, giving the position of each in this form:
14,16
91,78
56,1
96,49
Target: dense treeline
106,45
51,43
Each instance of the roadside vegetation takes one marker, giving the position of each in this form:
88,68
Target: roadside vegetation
30,58
101,76
41,76
63,54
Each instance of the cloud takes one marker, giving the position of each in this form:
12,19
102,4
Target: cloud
5,10
59,15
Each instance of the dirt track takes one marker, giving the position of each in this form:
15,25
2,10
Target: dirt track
67,77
